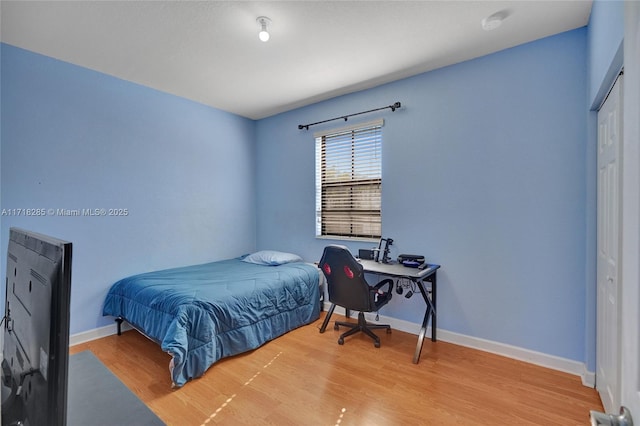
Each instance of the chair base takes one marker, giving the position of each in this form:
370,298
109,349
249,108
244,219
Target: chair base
361,326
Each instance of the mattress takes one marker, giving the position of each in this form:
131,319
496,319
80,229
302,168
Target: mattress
202,313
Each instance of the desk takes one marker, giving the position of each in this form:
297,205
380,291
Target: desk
418,276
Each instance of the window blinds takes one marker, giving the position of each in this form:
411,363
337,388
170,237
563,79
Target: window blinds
349,181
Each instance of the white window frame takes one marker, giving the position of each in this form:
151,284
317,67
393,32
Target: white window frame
358,210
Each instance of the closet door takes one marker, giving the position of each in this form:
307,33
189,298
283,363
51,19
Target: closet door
608,266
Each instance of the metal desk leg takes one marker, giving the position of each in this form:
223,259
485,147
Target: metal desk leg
432,279
327,318
430,312
423,331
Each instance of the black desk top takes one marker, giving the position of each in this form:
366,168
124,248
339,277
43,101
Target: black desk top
397,269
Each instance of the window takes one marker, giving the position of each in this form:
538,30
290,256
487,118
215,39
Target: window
349,181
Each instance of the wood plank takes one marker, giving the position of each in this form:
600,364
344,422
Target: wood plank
305,377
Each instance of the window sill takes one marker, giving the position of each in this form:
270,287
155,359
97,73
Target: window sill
341,238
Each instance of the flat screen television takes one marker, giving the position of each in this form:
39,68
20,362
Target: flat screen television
36,330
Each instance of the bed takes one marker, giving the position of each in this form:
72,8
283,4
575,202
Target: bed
202,313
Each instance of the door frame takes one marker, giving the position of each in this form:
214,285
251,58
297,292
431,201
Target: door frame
609,247
630,268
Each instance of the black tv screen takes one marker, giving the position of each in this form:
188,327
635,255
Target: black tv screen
36,330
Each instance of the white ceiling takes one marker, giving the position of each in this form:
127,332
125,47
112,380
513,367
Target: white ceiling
209,51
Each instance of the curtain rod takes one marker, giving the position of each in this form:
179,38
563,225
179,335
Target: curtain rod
346,117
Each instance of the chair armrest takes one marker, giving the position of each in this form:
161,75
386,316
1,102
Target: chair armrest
379,296
382,283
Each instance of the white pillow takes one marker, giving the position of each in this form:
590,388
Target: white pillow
271,258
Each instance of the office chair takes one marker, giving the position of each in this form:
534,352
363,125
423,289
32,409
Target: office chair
348,288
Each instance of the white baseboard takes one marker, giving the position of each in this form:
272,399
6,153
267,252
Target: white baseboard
97,333
538,358
588,377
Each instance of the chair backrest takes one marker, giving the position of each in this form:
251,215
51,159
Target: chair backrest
346,284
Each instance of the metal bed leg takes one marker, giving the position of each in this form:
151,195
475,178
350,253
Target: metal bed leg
119,322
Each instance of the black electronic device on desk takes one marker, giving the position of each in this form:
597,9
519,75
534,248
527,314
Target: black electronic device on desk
366,254
412,261
385,251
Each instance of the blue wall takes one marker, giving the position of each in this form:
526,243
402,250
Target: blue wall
77,139
489,170
605,52
604,59
483,173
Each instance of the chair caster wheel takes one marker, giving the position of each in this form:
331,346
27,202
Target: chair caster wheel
341,341
376,344
336,327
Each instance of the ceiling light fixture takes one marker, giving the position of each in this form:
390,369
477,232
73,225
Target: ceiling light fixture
494,21
264,23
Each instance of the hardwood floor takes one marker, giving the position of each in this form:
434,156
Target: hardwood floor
306,378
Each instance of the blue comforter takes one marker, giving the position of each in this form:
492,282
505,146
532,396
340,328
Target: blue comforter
202,313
